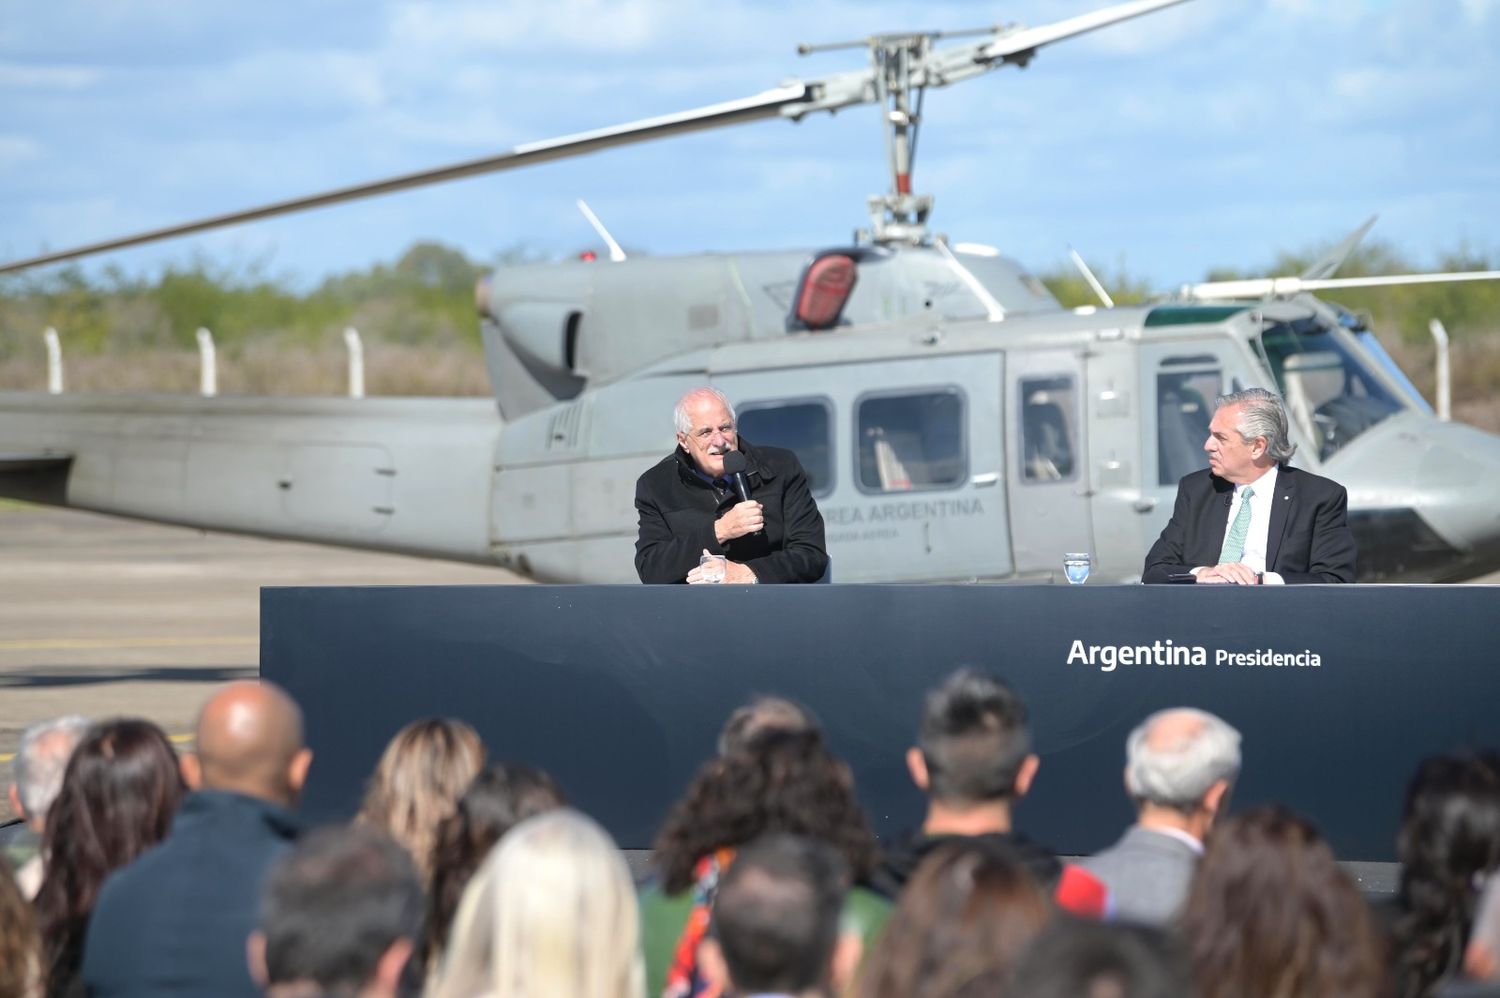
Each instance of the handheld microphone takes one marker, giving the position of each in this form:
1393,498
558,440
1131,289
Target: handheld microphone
734,470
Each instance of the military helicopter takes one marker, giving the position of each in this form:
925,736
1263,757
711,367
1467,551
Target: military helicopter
956,422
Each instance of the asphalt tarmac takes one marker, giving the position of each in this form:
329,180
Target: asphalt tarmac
105,617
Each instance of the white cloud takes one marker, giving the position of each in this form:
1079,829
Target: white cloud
16,150
21,76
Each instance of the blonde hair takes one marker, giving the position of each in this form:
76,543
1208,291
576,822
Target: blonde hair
421,775
551,912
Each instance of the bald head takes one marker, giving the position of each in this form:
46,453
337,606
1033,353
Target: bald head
250,741
1177,755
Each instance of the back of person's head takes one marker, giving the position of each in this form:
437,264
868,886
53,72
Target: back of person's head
341,910
41,756
500,797
1269,912
20,944
1449,845
762,714
776,915
250,741
119,794
1174,757
424,770
962,923
1078,958
784,781
552,911
974,739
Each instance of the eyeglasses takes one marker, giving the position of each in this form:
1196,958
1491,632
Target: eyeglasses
708,431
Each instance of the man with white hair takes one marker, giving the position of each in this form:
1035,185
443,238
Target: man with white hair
760,517
41,759
1250,518
1179,768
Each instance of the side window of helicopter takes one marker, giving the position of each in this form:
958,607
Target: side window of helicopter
911,441
803,426
1185,391
1049,429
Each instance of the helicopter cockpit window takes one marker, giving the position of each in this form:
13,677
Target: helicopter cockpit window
911,441
1049,430
803,427
1185,391
1330,392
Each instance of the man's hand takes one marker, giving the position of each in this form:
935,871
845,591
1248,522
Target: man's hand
1231,573
733,572
743,518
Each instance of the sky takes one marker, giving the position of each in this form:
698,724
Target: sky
1211,134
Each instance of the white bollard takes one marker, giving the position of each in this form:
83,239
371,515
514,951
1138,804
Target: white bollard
54,362
356,362
208,371
1444,391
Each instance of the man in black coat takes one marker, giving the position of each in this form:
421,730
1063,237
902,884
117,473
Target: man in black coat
1249,518
688,506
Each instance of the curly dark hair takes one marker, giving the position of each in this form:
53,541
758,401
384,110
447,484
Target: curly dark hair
1270,913
962,924
119,794
1449,841
500,797
783,781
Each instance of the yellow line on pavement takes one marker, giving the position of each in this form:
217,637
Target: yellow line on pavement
50,644
177,739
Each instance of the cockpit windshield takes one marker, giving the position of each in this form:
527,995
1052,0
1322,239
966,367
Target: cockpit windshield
1331,393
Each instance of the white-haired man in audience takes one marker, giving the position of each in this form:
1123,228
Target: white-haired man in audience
1180,766
41,759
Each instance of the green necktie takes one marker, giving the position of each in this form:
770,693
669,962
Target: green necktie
1234,544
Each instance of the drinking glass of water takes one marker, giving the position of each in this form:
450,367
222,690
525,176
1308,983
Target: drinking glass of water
713,567
1077,566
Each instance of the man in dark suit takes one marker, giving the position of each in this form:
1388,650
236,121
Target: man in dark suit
1179,767
1250,518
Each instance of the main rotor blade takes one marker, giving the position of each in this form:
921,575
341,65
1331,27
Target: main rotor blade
1329,263
792,100
1279,287
763,105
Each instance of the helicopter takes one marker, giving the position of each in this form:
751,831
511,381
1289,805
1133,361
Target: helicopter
956,422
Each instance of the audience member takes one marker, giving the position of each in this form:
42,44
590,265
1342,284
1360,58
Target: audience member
421,774
964,919
974,761
1482,955
121,788
1179,768
340,915
20,946
1086,958
499,798
175,921
1271,913
41,756
776,919
1448,845
551,912
764,713
782,781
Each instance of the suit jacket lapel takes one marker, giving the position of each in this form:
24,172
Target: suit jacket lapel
1218,517
1281,512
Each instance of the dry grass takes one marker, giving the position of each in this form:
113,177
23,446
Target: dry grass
265,367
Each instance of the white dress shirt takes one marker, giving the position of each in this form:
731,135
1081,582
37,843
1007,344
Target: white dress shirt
1262,501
